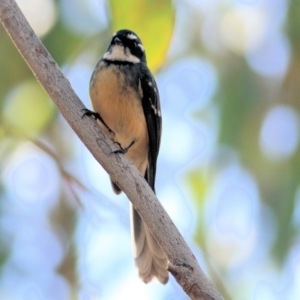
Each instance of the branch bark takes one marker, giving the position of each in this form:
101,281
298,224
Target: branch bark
183,264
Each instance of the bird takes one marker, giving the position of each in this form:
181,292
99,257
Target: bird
126,104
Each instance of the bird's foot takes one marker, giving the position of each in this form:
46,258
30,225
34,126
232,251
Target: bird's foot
96,116
122,150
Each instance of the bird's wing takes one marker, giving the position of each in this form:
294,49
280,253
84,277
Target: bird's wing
152,112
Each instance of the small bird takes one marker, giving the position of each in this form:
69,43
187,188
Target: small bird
126,104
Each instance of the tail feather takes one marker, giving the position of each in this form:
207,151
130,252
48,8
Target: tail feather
150,259
144,259
152,244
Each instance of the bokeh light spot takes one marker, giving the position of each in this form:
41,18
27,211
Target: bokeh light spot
242,28
92,15
234,211
28,108
30,181
279,136
41,14
272,57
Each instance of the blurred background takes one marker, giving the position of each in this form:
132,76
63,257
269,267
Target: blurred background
228,73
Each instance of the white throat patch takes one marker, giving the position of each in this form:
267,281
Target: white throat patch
121,53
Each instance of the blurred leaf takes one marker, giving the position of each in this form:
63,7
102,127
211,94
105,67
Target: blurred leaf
291,84
64,219
28,108
279,189
13,67
61,43
153,22
238,97
293,29
198,184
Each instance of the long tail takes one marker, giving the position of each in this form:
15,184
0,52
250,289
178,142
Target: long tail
150,259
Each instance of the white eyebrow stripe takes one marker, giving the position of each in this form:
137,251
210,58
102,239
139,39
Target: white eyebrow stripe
142,47
132,36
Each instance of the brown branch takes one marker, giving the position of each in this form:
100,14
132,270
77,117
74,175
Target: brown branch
183,264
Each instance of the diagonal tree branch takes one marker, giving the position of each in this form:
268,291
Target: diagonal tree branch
183,264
